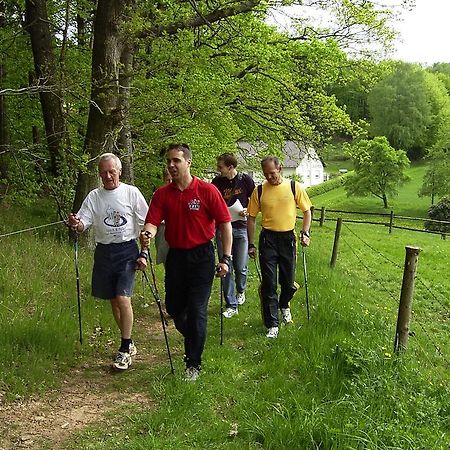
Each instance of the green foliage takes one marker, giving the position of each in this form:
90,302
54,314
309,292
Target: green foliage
406,107
358,77
436,181
379,169
327,186
441,211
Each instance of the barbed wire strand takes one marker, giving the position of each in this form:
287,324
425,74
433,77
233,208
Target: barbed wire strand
433,343
370,271
371,247
31,229
418,278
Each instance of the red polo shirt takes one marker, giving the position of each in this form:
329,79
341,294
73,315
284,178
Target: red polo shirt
191,215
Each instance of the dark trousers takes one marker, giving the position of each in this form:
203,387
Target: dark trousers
188,282
277,253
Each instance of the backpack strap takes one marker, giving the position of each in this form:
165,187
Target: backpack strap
293,188
260,190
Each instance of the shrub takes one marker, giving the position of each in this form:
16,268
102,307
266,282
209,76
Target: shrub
327,186
440,211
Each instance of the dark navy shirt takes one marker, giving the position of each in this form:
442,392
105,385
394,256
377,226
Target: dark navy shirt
240,187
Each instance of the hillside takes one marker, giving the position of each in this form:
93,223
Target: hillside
331,382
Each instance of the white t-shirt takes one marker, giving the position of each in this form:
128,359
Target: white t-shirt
117,215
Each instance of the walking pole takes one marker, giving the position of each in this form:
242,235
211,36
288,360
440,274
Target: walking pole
258,271
154,289
306,280
221,311
77,272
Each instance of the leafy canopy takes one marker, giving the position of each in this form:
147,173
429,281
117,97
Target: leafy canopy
379,169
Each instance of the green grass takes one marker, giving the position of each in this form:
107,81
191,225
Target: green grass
407,202
333,166
332,382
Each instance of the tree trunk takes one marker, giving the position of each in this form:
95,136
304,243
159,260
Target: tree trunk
4,128
385,201
125,143
37,24
106,112
4,131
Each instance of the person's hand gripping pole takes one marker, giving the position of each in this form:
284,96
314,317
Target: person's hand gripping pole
144,239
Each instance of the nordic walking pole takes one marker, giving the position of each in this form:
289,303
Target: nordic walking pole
77,272
305,273
221,311
163,322
154,289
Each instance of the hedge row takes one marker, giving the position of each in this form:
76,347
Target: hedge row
326,186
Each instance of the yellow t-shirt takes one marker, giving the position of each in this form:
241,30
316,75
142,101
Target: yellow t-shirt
277,206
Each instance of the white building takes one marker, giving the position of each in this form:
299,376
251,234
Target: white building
299,160
304,162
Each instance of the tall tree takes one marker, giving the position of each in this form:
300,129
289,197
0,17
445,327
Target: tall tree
4,127
406,107
378,169
50,93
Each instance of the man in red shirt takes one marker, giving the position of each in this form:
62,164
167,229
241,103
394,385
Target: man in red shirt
191,209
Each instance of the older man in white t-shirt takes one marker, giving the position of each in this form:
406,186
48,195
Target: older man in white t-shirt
117,212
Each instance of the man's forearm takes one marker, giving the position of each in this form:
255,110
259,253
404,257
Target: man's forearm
306,220
226,233
251,226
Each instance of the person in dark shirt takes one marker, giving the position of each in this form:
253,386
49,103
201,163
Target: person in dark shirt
236,189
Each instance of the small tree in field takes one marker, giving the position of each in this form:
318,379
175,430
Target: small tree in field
441,211
436,181
379,169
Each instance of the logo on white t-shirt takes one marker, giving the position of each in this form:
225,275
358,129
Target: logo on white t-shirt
194,204
114,218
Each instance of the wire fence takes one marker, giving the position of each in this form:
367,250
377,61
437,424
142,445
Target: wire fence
389,220
376,277
12,233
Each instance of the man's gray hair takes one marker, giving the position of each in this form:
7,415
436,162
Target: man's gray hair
108,156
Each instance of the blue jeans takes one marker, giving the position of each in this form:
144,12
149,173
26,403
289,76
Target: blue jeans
239,252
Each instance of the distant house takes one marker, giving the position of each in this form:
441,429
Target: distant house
299,160
303,162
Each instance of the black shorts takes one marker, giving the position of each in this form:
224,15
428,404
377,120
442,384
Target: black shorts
114,270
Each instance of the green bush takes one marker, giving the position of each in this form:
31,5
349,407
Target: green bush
327,186
440,211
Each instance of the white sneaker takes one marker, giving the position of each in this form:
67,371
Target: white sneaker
286,315
272,332
240,298
191,374
122,361
132,349
230,312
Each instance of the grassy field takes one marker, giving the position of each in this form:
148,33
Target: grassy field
331,382
406,203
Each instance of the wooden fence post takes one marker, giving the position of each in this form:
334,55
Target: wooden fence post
337,235
322,216
406,297
391,221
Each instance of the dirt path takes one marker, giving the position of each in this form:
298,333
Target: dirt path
83,399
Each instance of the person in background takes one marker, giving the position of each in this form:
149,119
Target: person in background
191,209
236,188
116,211
277,200
162,247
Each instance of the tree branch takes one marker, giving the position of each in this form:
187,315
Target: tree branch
198,21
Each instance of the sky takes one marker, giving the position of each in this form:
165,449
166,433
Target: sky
424,31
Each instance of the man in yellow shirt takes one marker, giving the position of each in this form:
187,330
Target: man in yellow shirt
277,201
